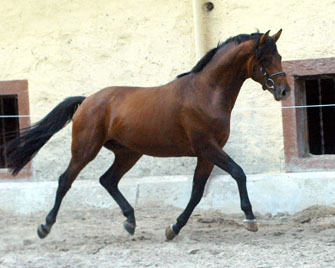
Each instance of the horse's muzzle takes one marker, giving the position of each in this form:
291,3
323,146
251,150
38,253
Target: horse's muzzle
282,93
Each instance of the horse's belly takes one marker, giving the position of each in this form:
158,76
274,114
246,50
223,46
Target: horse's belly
156,145
163,151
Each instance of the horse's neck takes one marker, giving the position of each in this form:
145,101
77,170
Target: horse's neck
226,74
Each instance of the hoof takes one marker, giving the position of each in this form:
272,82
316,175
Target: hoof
169,233
129,227
250,225
42,231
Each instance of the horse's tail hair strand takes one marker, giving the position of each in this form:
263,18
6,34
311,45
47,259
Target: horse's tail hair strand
23,148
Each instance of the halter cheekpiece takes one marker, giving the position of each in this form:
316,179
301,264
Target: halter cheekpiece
269,83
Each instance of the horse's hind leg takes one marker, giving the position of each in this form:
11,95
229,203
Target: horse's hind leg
80,158
124,160
64,184
201,174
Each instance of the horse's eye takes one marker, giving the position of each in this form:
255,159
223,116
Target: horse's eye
267,60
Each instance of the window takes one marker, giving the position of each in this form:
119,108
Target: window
13,102
320,91
309,132
9,126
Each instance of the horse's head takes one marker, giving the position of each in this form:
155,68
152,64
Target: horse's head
264,66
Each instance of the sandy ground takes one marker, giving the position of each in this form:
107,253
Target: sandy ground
95,238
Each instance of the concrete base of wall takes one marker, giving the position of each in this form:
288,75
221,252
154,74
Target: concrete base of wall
269,193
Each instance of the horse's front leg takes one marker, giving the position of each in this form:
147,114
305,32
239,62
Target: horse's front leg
201,174
212,152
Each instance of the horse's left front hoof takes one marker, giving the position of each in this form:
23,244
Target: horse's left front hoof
129,227
169,233
250,225
42,231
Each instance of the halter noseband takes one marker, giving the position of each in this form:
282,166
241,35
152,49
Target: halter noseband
269,83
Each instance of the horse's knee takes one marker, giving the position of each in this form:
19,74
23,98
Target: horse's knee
108,183
103,181
64,184
239,175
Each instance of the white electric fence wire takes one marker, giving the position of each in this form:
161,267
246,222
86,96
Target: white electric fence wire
285,107
236,109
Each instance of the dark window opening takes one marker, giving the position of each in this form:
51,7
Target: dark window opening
320,120
312,83
9,126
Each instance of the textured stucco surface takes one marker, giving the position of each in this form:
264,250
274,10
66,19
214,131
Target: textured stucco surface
65,48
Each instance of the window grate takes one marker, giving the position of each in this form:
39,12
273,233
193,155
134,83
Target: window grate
320,121
9,127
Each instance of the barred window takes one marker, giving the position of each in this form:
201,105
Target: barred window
309,129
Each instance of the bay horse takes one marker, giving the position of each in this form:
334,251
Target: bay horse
189,116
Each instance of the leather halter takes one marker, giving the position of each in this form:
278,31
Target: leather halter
269,83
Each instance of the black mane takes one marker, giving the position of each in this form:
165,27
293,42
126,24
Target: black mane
268,47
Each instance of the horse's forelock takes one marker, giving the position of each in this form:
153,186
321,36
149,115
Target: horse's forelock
268,48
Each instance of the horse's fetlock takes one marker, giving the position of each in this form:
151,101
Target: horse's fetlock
129,212
50,220
246,207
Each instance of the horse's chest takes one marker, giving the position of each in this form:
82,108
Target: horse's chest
220,131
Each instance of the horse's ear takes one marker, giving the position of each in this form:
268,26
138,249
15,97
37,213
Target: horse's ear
262,39
277,35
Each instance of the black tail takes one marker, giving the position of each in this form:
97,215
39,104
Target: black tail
22,149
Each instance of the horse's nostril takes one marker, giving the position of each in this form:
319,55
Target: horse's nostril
284,93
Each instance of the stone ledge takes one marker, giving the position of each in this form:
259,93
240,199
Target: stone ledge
269,193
